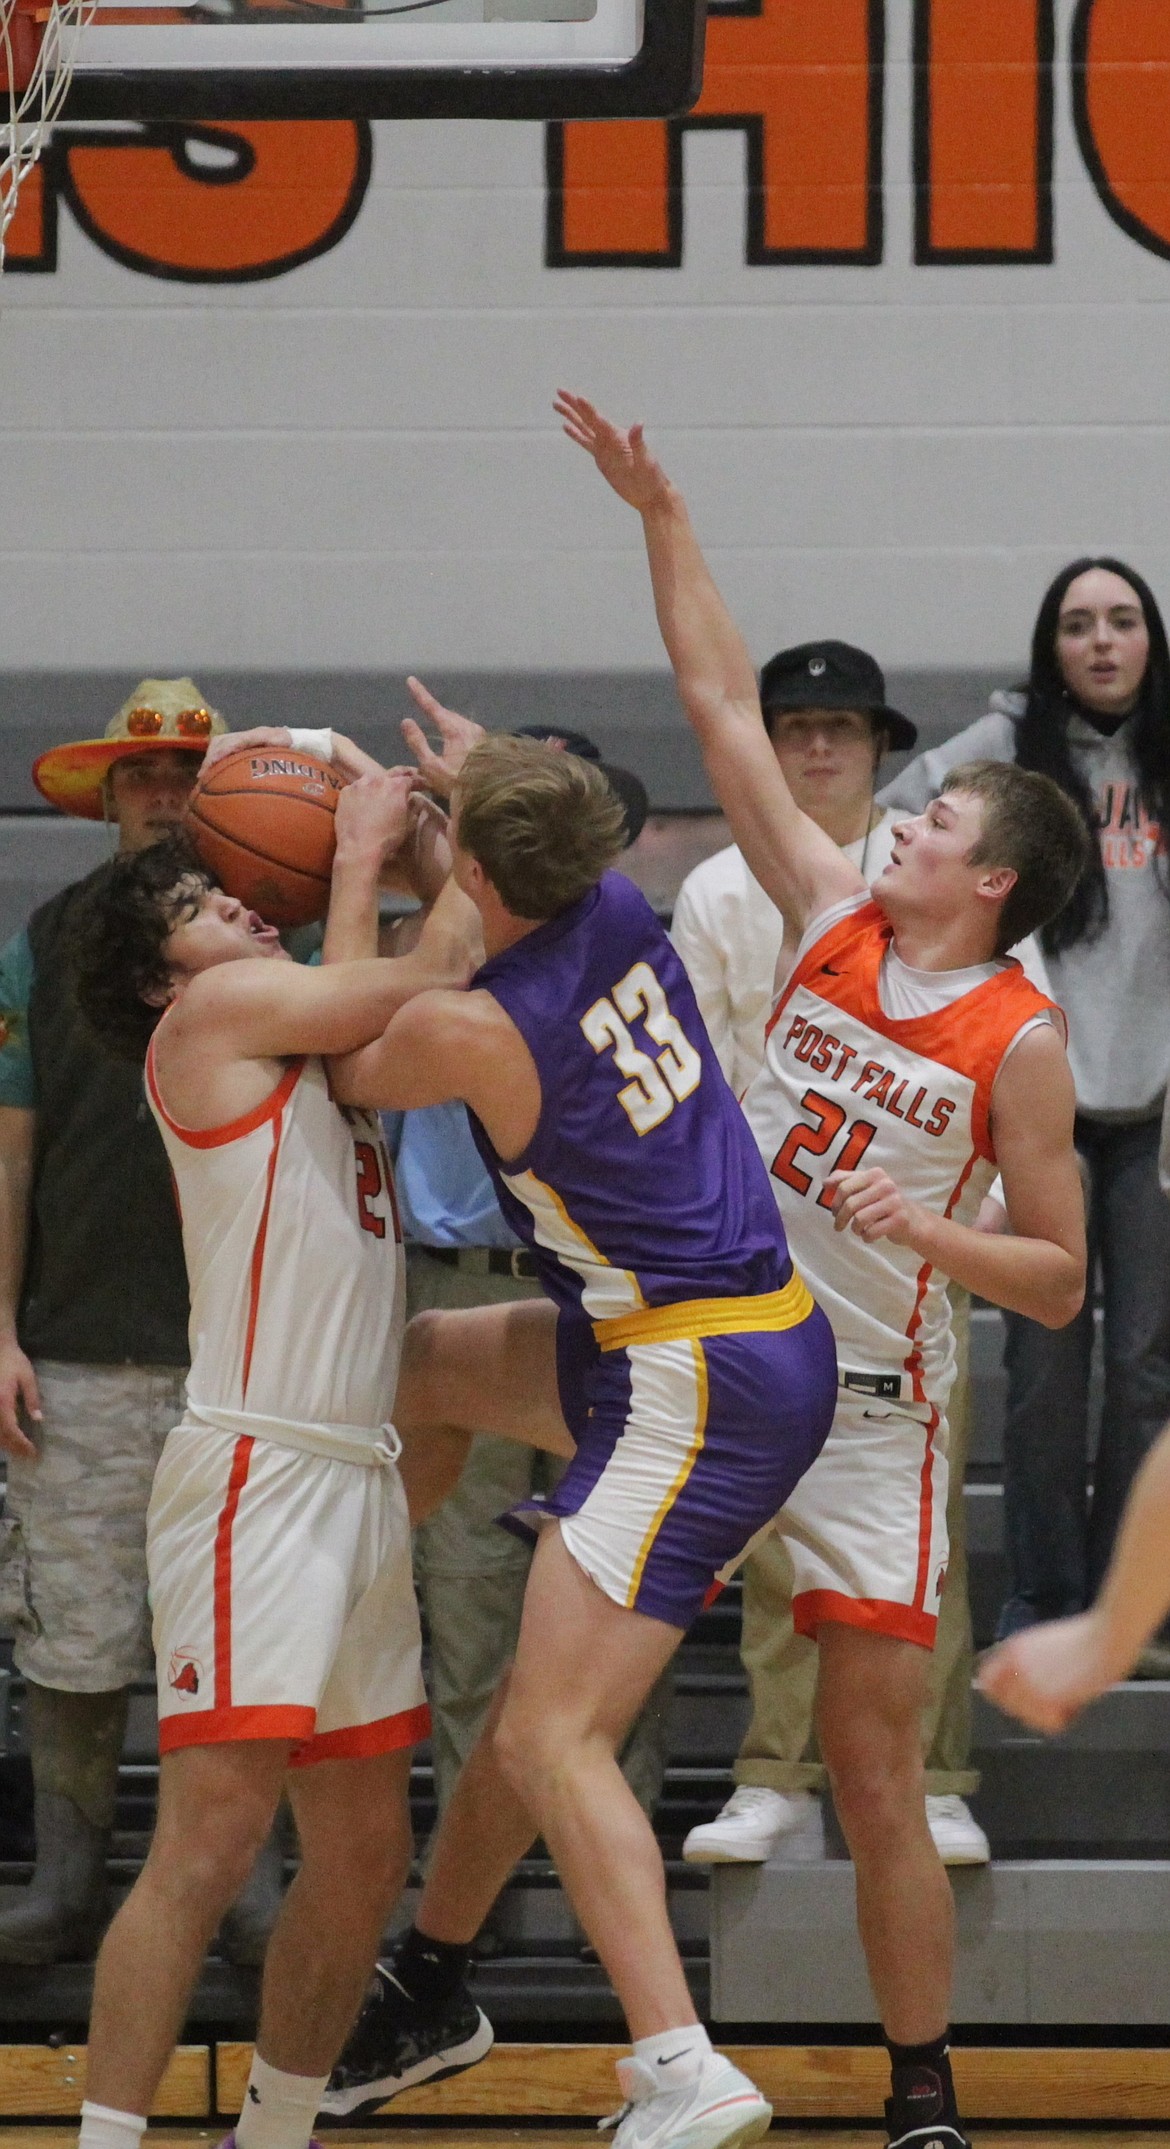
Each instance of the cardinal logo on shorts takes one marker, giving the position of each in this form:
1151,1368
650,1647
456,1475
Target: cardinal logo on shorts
941,1582
185,1672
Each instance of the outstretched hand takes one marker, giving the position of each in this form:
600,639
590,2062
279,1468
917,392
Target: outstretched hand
458,735
623,458
1046,1675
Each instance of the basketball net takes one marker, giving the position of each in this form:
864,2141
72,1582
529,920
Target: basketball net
38,52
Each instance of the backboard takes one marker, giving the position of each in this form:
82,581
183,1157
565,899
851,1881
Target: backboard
382,59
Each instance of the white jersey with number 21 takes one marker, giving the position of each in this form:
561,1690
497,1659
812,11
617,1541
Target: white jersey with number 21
846,1086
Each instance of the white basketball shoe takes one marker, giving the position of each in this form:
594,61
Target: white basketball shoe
958,1838
718,2108
757,1824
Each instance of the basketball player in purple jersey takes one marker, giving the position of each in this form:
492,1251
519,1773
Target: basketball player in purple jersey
682,1363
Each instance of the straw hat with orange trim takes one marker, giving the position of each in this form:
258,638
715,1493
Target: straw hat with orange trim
160,715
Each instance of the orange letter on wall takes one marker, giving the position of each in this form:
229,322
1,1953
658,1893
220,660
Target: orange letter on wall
802,80
983,130
277,193
1121,101
31,240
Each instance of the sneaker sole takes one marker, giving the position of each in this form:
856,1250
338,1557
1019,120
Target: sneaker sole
725,1857
792,1849
367,2097
965,1857
739,2132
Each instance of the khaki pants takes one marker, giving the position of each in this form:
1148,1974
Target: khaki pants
471,1573
780,1749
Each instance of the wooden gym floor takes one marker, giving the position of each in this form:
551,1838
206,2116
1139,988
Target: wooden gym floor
1075,2094
15,2135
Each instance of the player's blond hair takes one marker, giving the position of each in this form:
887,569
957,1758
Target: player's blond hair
543,824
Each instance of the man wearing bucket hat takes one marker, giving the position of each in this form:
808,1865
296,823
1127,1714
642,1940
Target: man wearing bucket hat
825,709
93,1339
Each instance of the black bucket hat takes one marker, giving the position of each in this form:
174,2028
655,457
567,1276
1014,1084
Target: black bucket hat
833,675
630,788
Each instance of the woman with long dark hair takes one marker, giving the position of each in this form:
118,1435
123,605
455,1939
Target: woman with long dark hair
1094,713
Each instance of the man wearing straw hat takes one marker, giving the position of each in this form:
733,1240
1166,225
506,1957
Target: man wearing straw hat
93,1338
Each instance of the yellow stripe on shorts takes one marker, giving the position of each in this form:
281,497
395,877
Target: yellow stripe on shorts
702,1402
693,1318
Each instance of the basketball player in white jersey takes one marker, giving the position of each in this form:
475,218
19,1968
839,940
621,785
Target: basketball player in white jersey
905,1059
278,1543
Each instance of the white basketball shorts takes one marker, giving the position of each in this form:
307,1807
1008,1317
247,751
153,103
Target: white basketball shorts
282,1599
867,1524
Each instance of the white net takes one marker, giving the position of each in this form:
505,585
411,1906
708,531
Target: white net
32,95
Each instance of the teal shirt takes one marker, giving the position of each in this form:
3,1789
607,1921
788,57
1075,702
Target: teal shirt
17,1080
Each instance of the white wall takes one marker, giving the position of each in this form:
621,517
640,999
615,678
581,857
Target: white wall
354,465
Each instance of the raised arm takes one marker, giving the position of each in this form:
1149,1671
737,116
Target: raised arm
372,820
800,867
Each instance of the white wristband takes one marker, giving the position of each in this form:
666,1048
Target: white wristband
308,741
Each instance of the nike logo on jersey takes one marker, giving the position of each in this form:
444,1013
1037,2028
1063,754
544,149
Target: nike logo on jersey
827,970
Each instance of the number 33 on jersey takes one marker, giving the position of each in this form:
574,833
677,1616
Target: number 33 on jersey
657,1084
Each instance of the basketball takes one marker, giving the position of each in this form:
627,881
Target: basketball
262,823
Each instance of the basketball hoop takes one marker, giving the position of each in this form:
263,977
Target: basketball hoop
38,51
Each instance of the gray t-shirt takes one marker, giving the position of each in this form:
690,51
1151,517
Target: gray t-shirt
1115,990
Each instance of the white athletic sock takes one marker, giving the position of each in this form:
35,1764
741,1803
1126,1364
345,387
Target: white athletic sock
279,2109
674,2056
103,2128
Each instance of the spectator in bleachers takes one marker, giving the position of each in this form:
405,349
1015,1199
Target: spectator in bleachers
1094,713
93,1335
470,1573
825,708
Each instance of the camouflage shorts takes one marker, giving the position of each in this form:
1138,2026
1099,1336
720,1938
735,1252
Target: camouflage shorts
73,1550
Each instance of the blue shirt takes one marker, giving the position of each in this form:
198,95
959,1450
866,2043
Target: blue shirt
445,1196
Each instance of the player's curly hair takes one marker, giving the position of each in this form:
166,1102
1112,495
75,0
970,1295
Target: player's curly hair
117,935
543,824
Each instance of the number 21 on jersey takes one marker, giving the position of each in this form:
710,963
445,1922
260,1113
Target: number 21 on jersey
656,1083
827,1120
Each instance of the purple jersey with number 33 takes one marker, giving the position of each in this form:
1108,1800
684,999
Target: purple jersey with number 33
642,1185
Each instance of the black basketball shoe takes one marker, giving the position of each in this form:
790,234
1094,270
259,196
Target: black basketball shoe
934,2137
395,2044
917,2116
